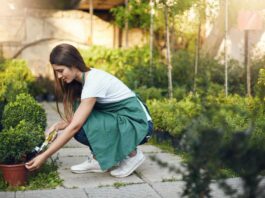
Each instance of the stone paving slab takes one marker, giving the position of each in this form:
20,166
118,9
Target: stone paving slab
72,180
130,191
169,189
74,152
7,195
74,144
151,171
57,193
147,148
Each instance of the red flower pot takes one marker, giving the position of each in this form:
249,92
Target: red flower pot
14,175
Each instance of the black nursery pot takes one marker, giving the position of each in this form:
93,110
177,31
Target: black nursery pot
162,136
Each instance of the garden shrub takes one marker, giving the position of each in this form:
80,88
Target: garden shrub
180,92
24,108
233,113
172,115
15,78
17,142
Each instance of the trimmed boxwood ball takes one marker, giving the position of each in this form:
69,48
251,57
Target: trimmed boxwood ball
16,143
25,107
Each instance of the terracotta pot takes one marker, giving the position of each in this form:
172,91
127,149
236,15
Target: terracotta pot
14,175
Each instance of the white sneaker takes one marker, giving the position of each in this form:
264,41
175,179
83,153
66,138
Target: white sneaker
128,165
89,166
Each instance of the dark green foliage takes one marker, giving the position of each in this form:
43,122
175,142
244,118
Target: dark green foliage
17,142
203,146
24,108
42,89
240,155
183,69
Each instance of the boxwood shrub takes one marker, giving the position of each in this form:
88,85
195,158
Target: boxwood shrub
25,108
17,142
173,116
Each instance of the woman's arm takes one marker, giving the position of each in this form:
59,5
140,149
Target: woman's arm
77,122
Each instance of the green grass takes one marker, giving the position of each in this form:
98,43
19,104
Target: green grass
119,184
46,177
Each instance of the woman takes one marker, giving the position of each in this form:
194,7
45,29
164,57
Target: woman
100,112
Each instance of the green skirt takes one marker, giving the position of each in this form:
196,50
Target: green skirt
114,130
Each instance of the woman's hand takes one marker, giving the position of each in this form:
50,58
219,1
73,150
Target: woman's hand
36,162
58,126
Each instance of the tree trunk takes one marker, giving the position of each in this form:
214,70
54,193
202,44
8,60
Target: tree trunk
151,40
126,25
168,57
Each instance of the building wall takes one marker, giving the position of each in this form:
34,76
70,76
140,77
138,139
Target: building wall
30,34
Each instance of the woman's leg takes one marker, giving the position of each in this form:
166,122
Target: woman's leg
90,165
136,158
81,137
146,138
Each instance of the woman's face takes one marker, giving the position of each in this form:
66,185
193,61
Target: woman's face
64,73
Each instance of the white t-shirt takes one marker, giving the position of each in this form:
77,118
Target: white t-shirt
106,88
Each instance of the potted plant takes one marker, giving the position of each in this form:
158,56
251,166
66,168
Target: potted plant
24,121
15,144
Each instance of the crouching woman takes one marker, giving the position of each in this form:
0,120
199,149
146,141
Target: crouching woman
101,112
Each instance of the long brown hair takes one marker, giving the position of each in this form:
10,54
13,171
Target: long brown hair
67,55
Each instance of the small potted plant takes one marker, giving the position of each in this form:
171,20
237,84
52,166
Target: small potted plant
15,144
24,121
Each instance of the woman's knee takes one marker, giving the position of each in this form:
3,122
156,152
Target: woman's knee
80,136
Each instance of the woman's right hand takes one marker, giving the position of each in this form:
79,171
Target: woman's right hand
57,126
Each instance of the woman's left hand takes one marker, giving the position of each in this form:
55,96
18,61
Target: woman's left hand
36,162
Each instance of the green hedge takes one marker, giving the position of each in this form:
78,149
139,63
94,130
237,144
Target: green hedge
25,107
230,114
172,115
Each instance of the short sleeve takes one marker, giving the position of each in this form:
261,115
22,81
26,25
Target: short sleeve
95,86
